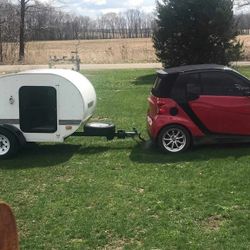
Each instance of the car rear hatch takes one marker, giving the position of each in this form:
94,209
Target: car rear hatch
161,92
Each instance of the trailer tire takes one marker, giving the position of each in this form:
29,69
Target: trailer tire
8,144
100,129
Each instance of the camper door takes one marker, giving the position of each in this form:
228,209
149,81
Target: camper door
38,109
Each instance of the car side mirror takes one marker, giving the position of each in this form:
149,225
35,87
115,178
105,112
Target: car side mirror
193,96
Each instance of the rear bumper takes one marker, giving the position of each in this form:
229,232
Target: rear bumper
151,128
156,124
150,133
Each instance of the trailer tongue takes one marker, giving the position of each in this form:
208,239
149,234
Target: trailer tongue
108,130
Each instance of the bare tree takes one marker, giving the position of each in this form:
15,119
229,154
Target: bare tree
8,31
85,26
2,21
133,18
1,42
23,8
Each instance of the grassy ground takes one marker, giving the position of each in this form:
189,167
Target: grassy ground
94,194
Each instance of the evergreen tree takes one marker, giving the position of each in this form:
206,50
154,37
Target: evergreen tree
196,32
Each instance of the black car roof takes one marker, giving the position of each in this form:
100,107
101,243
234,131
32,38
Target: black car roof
188,68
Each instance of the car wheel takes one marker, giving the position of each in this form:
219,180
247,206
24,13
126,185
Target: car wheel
174,139
8,145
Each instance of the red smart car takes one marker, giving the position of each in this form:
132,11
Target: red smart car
198,104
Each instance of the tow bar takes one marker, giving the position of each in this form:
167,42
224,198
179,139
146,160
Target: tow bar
108,130
122,134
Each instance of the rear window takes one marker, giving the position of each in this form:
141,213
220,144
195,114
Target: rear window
163,85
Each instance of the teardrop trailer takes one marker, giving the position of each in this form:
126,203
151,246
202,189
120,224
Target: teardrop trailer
48,106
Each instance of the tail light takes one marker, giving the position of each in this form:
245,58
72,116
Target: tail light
161,107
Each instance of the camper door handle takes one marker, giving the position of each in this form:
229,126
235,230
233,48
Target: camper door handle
11,100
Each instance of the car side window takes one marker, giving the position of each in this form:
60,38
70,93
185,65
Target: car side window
193,84
223,84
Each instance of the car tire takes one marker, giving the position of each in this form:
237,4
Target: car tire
174,139
9,145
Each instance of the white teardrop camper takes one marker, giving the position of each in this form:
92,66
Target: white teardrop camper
42,106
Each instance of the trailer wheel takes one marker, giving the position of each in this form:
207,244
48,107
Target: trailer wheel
100,129
8,144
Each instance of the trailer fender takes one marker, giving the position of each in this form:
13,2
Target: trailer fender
19,135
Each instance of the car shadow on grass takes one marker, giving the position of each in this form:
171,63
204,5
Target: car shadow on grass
41,155
145,80
147,152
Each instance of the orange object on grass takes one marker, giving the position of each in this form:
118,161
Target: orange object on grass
8,229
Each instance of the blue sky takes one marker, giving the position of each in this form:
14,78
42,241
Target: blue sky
95,8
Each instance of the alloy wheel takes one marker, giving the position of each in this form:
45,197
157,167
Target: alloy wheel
174,140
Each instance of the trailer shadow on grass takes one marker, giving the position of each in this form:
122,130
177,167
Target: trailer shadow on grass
148,153
41,155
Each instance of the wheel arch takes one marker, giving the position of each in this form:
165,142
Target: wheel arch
15,131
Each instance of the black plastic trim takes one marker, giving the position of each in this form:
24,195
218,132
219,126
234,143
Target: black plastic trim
187,109
10,121
70,122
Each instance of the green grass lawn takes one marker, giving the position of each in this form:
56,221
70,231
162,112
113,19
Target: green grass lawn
92,194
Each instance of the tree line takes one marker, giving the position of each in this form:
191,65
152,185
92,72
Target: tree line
243,22
31,20
45,22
